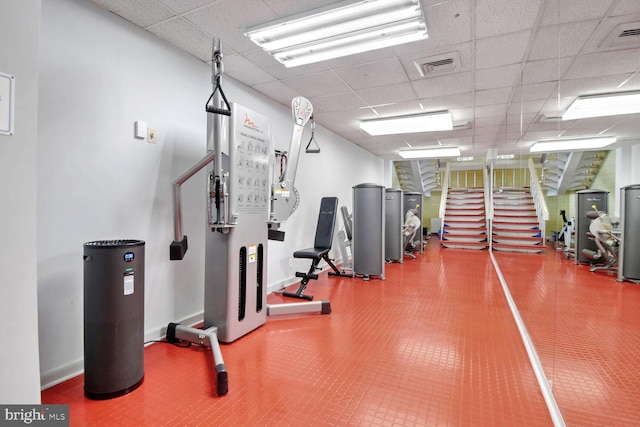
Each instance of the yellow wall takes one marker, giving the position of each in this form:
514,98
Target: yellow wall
465,179
606,179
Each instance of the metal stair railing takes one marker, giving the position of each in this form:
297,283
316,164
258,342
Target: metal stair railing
538,198
443,199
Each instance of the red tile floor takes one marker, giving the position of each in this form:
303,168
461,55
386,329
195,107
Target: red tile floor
433,344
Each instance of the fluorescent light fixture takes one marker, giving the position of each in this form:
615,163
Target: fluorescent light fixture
505,156
343,29
423,122
430,153
571,144
611,104
465,159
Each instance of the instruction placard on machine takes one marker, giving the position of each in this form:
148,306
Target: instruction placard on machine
251,139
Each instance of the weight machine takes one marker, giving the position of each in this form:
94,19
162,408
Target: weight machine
244,211
345,241
606,239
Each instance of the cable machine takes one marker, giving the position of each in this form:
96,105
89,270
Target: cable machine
243,211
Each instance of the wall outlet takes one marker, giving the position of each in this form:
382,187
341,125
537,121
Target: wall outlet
151,136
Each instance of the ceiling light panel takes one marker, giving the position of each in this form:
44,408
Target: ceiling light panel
343,29
426,122
571,144
612,104
430,153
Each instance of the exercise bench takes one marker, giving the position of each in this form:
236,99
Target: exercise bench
321,247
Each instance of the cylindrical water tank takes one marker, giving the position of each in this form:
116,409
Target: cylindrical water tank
630,208
113,317
368,230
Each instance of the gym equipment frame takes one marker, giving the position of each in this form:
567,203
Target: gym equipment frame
242,207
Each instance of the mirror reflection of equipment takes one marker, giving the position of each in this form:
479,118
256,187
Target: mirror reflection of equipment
603,235
585,200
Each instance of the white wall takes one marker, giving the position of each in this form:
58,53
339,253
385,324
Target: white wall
95,181
19,368
627,172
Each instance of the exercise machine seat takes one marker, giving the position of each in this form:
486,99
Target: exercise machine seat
321,246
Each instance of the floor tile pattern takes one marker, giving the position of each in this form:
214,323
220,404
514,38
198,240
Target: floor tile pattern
432,345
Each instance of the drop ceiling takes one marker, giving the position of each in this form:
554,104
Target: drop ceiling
518,64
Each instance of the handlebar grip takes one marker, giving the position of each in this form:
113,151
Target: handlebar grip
215,110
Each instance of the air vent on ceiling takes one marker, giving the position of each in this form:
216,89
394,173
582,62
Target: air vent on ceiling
440,64
623,36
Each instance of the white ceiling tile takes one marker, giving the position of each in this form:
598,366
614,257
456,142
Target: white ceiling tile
493,96
338,102
626,7
141,12
360,58
490,110
318,84
486,130
603,64
186,36
181,6
231,25
493,78
460,133
515,122
496,17
488,122
526,107
286,8
449,102
448,23
277,91
555,127
484,140
397,109
375,74
564,40
501,50
595,125
245,71
542,135
595,85
545,70
534,91
562,11
437,86
392,93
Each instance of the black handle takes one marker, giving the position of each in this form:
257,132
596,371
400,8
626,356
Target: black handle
214,110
